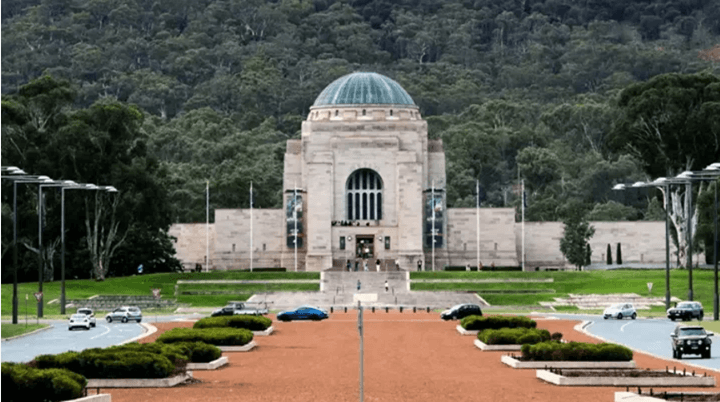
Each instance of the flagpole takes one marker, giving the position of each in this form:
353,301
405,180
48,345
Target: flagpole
522,188
295,221
433,224
207,226
477,214
251,227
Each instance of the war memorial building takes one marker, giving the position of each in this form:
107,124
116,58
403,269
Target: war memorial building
365,184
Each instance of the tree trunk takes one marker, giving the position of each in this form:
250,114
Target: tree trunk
101,243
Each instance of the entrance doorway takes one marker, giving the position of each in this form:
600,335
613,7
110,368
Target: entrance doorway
365,247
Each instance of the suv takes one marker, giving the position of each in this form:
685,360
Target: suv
124,314
686,311
89,313
690,340
461,311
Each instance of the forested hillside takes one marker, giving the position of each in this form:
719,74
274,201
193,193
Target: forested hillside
515,88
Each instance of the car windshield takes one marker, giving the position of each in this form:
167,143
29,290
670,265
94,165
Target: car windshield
77,316
692,331
88,312
134,309
685,305
457,306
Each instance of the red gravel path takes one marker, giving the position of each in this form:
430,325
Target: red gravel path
408,357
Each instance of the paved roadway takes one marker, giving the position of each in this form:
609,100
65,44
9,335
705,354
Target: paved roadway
58,339
648,335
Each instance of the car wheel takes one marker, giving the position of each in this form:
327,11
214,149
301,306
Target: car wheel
679,355
706,355
124,319
315,317
87,328
605,317
109,319
139,320
93,325
674,354
633,316
700,317
672,319
69,328
620,316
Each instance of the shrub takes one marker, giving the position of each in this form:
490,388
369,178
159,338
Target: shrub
213,336
576,351
111,363
200,352
23,383
474,322
251,322
556,336
513,336
618,254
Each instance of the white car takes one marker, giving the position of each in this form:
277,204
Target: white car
89,313
620,311
79,320
124,314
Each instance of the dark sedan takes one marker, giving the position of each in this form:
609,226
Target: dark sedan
227,310
303,313
461,311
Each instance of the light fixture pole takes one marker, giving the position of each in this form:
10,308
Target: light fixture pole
17,175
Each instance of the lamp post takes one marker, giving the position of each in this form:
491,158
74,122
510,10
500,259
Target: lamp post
17,175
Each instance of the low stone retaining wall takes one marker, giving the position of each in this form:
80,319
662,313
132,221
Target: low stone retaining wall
264,333
93,398
503,348
243,348
688,380
464,331
515,363
208,366
633,397
137,382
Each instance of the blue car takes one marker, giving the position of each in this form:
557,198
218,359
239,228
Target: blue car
303,313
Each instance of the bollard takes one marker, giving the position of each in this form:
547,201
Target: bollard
346,309
331,309
401,309
428,309
414,309
386,309
373,309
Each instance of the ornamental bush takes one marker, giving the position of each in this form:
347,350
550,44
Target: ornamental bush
112,363
576,351
474,322
251,322
23,383
212,336
513,336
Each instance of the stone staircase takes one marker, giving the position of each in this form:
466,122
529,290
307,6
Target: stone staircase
107,303
600,302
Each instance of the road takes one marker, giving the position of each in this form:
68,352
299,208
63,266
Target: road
647,335
58,339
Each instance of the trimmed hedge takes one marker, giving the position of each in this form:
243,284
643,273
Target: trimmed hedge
111,363
576,351
22,383
251,322
212,336
269,269
484,268
195,352
479,323
514,336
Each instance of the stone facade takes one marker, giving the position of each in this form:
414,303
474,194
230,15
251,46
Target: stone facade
191,242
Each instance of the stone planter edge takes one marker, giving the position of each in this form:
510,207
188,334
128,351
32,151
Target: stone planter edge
93,398
501,348
464,331
696,381
138,382
266,332
243,348
515,363
223,360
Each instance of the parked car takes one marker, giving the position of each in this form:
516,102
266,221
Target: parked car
461,311
79,321
686,311
620,311
124,314
227,310
303,313
691,340
243,308
89,313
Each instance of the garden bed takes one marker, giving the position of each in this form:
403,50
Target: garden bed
464,331
667,396
501,348
243,348
531,364
138,382
624,378
264,333
208,366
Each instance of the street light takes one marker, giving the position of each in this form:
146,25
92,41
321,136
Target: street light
17,175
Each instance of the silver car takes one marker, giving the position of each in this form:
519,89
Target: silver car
620,311
89,313
124,314
79,321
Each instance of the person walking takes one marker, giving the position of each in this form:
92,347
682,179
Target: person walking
377,265
419,265
387,286
358,285
397,264
349,266
365,266
467,267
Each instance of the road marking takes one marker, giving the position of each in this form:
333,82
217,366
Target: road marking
622,329
107,329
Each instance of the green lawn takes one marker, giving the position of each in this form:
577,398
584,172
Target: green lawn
10,330
139,285
713,326
587,282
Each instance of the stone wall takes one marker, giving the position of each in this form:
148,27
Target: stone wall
232,228
497,238
191,244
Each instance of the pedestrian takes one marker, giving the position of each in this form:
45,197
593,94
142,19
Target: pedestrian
349,266
377,265
365,266
397,264
387,286
480,266
358,285
419,265
356,265
467,267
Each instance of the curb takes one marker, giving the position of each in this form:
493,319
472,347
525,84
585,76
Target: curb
49,326
582,327
149,330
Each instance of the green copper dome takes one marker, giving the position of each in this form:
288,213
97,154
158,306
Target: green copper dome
363,88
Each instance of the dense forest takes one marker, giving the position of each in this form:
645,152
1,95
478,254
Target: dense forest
516,89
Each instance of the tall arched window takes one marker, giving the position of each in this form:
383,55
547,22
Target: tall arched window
364,195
